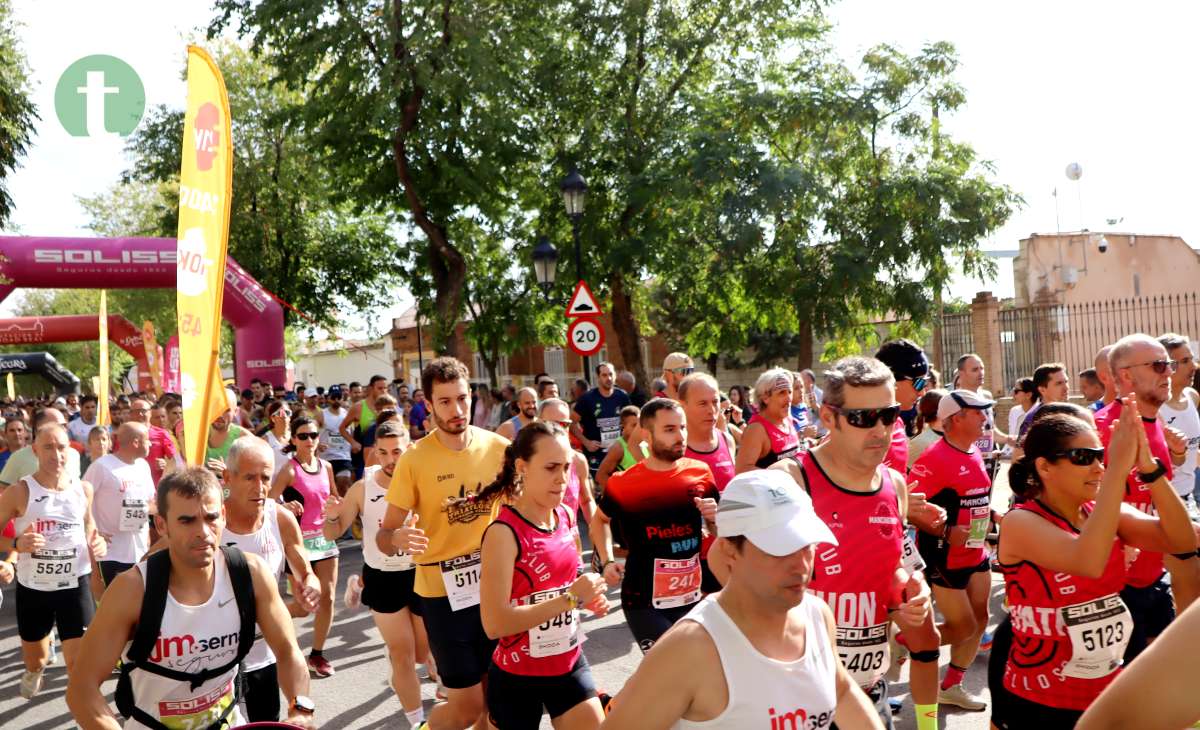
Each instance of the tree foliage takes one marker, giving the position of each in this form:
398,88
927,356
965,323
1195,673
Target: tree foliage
18,114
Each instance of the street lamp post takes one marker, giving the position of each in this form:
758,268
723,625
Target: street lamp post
574,194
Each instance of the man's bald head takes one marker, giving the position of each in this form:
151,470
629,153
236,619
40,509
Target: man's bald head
133,437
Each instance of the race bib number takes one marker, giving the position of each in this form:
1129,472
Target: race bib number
610,431
337,441
676,582
196,712
133,514
317,546
558,635
910,557
461,577
1099,631
977,529
398,562
864,651
54,569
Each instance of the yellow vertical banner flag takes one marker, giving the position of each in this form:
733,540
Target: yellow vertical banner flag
12,387
151,347
102,392
205,184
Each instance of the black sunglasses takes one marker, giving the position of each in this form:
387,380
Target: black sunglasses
868,417
1159,366
310,436
684,372
1081,456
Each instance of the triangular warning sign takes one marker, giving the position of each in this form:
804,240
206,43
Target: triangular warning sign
583,302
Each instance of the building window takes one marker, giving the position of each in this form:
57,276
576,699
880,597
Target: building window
482,373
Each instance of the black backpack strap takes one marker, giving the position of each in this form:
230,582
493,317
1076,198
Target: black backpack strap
154,602
243,591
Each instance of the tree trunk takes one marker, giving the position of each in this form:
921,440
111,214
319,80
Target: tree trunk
804,359
626,330
711,362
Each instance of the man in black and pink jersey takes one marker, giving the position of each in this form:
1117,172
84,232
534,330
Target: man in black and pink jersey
952,475
661,506
771,434
863,578
1140,365
701,399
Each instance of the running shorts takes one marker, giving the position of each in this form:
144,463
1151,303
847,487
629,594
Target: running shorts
649,624
955,578
71,609
516,701
1152,610
388,591
460,647
110,569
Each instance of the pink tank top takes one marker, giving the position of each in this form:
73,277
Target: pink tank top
784,444
546,566
720,463
314,488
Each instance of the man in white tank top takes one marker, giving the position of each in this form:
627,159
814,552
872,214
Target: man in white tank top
774,643
55,542
337,448
199,628
1180,413
256,524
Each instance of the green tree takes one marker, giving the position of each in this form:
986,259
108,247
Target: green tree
415,106
287,225
18,114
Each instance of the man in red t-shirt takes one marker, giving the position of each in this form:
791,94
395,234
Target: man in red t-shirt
661,506
162,448
1140,366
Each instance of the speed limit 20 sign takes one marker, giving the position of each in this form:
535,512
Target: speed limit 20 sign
585,336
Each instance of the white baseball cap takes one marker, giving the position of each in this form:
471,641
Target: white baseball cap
959,400
768,508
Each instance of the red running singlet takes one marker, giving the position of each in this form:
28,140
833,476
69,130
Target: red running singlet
545,568
784,443
1038,604
855,576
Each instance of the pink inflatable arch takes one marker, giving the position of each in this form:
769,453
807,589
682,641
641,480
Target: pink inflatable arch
79,328
149,263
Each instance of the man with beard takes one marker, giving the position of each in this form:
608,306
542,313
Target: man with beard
597,415
221,435
387,580
527,403
1140,365
661,505
454,462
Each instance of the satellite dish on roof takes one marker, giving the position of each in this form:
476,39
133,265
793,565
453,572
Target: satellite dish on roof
1074,171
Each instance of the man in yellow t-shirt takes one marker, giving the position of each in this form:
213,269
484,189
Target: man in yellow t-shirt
456,461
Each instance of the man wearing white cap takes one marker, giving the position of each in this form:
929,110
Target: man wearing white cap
867,579
951,474
772,638
676,367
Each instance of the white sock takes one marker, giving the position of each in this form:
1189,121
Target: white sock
416,717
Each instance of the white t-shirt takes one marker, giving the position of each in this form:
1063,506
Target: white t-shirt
79,430
121,497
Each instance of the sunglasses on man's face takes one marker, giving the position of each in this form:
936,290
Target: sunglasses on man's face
1159,367
1081,456
683,372
310,436
868,417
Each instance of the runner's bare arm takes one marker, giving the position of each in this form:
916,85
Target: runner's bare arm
853,709
282,481
1158,690
587,500
346,430
505,429
753,447
666,685
341,511
609,465
1153,533
100,650
277,631
12,505
294,551
393,520
96,543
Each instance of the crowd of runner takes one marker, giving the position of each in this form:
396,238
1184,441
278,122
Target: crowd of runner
803,541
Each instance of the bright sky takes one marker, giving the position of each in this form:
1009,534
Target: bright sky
1098,83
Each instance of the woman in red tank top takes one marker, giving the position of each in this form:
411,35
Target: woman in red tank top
770,436
1063,555
531,593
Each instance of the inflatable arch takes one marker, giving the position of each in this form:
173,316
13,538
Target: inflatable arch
79,328
40,363
149,263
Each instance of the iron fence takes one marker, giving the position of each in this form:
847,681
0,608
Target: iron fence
1073,333
957,339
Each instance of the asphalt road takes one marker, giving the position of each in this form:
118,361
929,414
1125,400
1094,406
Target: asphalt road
357,696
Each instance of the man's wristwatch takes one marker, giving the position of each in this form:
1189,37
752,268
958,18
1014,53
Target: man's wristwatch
303,705
1149,477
